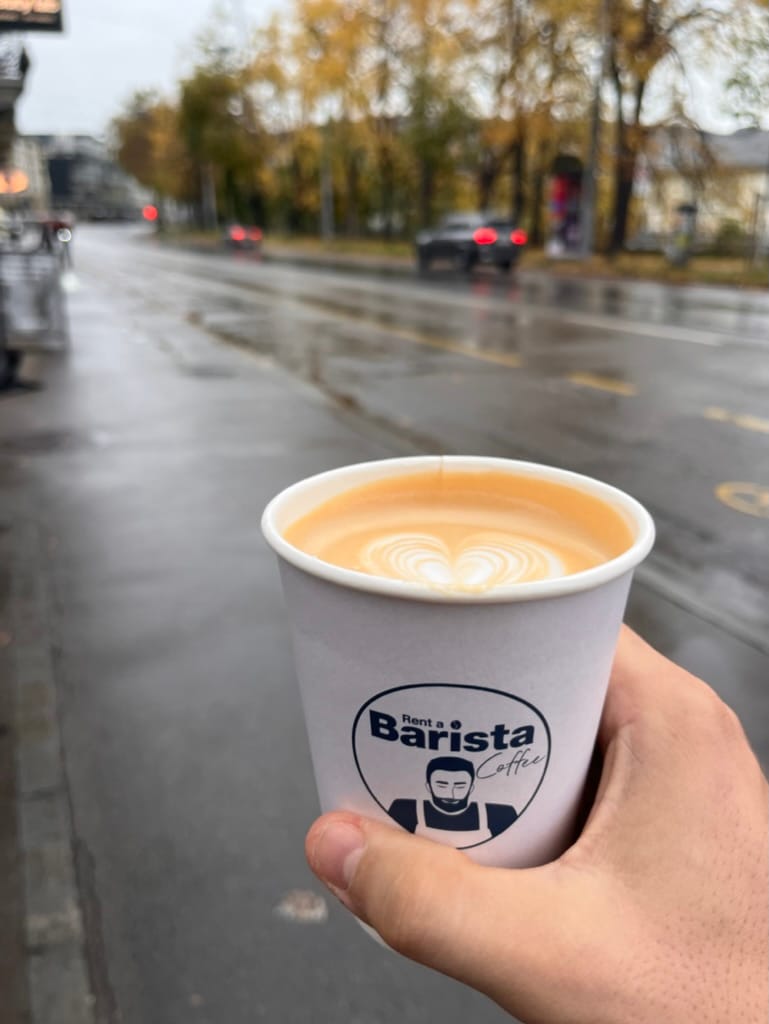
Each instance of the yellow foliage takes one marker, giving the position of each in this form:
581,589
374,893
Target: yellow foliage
406,107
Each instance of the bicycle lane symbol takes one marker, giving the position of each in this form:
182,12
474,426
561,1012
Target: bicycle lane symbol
750,499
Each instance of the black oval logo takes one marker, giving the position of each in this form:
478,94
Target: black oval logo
458,764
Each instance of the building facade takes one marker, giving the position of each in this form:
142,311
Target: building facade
86,181
725,177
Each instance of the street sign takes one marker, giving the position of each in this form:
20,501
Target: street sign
30,16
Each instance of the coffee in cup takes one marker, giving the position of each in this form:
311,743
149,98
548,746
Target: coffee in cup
462,531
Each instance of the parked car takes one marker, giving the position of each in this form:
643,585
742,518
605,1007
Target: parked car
241,236
466,239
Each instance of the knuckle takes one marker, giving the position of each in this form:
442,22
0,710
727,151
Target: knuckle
729,723
712,720
693,703
721,720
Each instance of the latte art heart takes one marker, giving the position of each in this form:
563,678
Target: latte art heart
464,532
481,561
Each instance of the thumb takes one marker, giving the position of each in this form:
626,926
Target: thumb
491,928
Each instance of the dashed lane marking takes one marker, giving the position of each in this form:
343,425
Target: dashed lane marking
750,499
600,383
508,359
742,420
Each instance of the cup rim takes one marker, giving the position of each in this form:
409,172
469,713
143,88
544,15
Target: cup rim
639,519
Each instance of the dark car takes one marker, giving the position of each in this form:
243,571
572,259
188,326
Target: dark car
466,239
242,236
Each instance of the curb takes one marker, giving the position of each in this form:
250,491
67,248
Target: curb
303,258
351,264
397,267
57,975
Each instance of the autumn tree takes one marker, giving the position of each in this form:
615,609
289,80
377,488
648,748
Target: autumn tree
437,109
383,80
747,87
211,118
220,125
385,31
647,37
530,56
332,56
149,146
385,112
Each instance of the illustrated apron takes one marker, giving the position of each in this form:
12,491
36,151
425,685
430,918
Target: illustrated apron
449,837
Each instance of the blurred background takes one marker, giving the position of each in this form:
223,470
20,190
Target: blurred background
601,127
248,241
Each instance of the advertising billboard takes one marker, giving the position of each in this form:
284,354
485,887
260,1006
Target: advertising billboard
30,16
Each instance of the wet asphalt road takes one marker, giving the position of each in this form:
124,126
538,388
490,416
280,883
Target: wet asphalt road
663,392
146,462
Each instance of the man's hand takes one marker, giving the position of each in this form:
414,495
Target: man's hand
659,911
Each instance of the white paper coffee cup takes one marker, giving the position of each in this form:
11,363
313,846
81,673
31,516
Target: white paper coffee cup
415,696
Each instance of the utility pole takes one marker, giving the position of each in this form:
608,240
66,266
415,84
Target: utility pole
590,177
762,218
326,188
208,197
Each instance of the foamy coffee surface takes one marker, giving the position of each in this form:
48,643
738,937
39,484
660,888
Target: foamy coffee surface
463,531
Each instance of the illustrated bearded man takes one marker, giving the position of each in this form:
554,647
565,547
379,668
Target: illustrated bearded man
450,782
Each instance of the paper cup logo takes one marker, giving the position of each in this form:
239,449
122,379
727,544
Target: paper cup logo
458,764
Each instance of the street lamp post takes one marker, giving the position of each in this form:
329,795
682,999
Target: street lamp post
763,229
326,187
590,181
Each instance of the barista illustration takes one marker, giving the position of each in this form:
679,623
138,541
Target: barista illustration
448,815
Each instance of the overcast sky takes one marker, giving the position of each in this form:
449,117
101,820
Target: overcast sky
79,80
110,48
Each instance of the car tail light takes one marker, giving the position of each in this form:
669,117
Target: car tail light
519,237
485,236
238,234
255,234
150,213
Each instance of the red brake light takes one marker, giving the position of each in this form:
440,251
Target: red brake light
150,213
519,237
238,234
255,234
484,236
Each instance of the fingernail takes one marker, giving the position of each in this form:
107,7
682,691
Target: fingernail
336,854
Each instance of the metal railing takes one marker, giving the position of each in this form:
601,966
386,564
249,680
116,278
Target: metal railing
33,313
